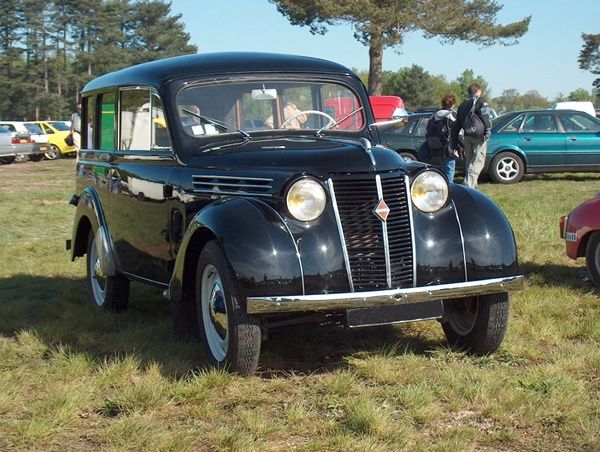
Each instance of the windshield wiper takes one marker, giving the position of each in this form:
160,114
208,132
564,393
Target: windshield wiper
215,122
338,122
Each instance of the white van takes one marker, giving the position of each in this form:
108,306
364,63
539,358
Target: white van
585,106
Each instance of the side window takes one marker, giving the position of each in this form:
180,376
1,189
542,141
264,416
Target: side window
160,133
513,126
404,127
107,121
88,132
421,129
577,122
540,124
47,130
135,120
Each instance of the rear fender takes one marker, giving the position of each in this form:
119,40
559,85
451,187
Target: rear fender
89,216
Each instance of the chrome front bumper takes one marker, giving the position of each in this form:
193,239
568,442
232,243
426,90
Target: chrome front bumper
340,301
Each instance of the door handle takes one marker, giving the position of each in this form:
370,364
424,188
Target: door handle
527,138
572,139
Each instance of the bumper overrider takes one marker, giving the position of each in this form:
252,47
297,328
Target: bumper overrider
381,298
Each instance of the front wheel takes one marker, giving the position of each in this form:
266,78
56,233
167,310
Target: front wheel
476,324
231,337
592,258
53,153
507,168
110,293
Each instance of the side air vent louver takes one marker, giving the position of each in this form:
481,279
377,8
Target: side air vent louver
230,185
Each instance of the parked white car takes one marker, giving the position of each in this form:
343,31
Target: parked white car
15,145
37,136
585,106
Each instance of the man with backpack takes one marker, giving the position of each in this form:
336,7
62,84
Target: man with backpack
473,119
437,138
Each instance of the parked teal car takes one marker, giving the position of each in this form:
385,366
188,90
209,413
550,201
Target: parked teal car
542,141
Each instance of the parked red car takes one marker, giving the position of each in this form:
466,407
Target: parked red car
581,231
387,107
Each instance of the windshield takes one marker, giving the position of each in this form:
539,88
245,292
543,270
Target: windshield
60,125
266,105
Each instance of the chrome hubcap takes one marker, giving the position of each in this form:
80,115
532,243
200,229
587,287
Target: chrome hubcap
461,315
214,312
507,168
97,276
52,153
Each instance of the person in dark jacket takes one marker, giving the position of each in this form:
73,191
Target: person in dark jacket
477,131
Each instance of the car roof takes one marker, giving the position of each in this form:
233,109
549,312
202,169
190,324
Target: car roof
156,73
544,110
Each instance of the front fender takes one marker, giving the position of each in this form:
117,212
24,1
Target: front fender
256,242
489,242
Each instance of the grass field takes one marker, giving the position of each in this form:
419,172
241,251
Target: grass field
74,378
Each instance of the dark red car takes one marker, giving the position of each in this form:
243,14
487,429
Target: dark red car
581,231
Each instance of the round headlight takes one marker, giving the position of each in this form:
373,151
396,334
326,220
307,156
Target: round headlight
306,200
429,191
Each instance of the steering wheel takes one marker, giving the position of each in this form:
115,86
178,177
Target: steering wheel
308,112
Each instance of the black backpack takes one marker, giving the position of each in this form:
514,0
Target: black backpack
438,133
473,126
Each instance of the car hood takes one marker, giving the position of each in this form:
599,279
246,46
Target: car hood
316,156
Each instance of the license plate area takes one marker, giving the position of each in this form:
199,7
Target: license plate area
398,313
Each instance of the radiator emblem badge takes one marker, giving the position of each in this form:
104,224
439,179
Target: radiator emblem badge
381,210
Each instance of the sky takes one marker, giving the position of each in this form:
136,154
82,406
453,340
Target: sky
545,59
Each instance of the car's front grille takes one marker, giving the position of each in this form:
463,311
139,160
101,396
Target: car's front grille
371,265
229,185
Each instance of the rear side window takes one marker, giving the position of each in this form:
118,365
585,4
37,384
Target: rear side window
578,122
142,121
107,121
135,120
88,138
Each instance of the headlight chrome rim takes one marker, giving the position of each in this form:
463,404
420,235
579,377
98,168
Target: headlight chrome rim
429,191
306,199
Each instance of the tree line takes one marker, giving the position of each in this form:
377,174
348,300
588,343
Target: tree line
420,89
49,50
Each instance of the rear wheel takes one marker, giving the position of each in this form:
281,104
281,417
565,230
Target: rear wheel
507,168
110,293
476,324
53,153
7,160
36,157
592,258
231,337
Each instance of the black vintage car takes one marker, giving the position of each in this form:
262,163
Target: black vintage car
251,189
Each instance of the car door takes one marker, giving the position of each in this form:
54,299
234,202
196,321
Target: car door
399,136
582,139
140,194
542,141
